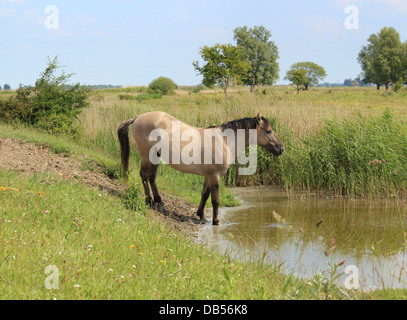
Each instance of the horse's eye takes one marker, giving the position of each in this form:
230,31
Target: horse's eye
268,132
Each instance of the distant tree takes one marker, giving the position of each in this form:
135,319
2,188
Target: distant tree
347,83
163,84
1,88
224,64
261,53
313,72
6,87
297,77
384,58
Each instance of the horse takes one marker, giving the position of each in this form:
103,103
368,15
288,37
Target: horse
157,136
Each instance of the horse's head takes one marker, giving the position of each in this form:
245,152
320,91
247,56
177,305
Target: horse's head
266,137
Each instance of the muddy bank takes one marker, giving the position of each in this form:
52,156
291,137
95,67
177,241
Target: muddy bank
28,158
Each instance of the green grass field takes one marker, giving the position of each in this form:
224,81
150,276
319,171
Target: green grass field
105,251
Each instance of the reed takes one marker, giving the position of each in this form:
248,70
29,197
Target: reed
331,135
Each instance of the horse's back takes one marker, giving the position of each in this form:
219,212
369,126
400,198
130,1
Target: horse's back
143,128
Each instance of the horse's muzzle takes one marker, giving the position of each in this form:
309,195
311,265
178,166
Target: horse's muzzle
277,152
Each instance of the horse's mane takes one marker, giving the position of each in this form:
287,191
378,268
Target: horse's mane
245,123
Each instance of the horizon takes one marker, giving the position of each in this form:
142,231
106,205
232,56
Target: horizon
129,43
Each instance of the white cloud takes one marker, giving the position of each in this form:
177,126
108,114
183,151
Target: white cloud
13,1
7,12
213,33
396,4
325,25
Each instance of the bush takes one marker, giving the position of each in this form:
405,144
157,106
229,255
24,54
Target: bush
164,85
50,105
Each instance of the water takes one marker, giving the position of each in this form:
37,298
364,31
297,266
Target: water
309,235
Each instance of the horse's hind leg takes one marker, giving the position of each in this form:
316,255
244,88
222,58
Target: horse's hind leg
144,174
152,178
204,197
148,174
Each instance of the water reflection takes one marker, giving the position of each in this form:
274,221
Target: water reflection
307,235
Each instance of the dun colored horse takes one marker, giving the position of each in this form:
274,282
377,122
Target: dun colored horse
177,151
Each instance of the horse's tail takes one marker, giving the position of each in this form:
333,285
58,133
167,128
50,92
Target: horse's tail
123,133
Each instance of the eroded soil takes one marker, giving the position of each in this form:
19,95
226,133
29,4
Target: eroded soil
28,158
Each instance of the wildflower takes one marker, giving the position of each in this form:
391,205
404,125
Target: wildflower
3,188
341,262
140,253
132,246
158,237
76,286
46,212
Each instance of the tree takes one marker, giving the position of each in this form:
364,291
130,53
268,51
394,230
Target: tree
404,63
313,73
6,87
261,53
51,104
297,77
224,64
383,59
163,84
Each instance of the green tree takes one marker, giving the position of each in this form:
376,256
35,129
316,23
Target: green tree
261,53
297,77
383,59
6,86
163,84
224,64
404,63
313,72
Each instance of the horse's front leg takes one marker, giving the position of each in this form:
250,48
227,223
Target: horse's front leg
214,190
204,198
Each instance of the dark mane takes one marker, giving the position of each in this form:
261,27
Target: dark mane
245,123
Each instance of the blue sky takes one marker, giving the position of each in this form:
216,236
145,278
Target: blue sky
133,42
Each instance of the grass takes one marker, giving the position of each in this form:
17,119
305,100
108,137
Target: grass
105,251
106,248
315,127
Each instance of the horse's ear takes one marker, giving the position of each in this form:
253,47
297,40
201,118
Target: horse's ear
260,120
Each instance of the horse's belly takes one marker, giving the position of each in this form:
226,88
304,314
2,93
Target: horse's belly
189,168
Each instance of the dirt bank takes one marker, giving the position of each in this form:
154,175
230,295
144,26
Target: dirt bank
28,158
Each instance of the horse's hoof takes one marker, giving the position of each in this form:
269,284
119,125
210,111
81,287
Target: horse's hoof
216,223
159,206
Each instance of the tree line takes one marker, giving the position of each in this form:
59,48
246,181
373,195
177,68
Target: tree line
5,87
253,61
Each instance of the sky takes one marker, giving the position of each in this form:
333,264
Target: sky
130,43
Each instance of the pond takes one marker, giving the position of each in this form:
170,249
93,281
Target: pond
307,235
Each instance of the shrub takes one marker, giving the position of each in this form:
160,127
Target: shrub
50,104
164,85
